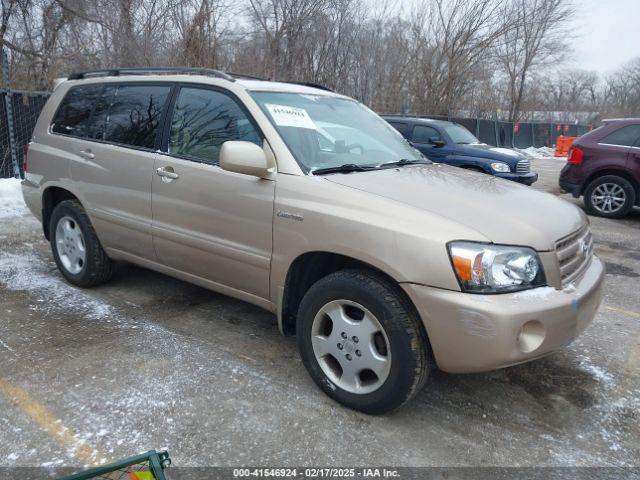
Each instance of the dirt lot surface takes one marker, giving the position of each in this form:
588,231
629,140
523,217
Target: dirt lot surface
90,376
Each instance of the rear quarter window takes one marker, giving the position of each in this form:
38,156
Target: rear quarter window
625,136
74,112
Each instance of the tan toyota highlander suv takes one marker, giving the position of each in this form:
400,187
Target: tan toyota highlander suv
306,203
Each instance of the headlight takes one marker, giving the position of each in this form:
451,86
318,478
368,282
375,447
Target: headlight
487,268
500,167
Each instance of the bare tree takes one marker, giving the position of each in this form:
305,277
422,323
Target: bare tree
283,23
537,35
443,57
623,90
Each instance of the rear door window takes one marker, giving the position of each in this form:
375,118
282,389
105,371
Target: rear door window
203,120
625,136
97,124
422,134
74,113
134,115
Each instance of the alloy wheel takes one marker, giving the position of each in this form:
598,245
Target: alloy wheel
351,346
608,198
70,245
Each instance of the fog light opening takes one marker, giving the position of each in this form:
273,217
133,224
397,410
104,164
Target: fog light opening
531,336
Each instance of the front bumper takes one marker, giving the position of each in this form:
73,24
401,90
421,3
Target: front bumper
526,179
474,333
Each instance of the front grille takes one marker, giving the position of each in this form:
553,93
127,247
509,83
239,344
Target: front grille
523,166
574,253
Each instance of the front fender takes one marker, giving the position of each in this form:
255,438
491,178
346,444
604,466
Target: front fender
406,243
466,161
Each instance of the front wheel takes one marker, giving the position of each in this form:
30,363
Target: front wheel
362,342
609,196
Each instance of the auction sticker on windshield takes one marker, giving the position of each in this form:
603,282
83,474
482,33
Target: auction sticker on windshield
285,116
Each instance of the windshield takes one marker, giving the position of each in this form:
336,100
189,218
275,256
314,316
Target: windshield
323,131
460,134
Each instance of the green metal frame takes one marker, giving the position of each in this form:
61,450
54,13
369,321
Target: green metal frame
158,461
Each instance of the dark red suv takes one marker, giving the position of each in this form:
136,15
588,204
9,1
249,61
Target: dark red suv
604,166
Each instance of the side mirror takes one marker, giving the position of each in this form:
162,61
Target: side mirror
436,142
244,157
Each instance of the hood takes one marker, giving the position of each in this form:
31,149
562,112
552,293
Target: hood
503,211
483,150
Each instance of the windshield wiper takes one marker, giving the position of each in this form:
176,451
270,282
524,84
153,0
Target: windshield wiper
346,168
404,161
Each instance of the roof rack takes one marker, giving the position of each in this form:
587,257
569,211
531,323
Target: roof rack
115,72
247,76
608,120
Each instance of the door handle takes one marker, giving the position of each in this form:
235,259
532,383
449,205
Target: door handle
167,174
87,154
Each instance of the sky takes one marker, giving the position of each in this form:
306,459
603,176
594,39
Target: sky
605,33
608,34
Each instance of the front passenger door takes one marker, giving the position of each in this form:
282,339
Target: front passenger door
420,138
208,222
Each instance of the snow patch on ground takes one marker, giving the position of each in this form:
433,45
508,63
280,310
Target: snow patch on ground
539,152
600,374
27,272
11,201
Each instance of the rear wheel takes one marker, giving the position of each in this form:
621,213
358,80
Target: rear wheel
76,248
362,342
609,196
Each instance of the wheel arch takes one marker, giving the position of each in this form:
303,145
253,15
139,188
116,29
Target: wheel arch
618,172
309,267
476,167
51,197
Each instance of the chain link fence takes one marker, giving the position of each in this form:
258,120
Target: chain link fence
19,112
18,115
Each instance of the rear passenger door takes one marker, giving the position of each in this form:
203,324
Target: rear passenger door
112,162
634,160
208,222
618,145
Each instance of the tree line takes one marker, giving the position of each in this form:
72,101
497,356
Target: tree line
499,59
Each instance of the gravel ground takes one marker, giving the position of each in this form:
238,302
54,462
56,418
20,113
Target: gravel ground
90,376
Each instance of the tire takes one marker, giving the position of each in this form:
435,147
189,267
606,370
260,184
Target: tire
361,297
615,186
70,229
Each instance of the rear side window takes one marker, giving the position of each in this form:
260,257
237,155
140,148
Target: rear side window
134,114
203,120
422,134
98,121
72,117
625,136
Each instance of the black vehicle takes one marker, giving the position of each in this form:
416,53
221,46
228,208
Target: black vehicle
451,143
